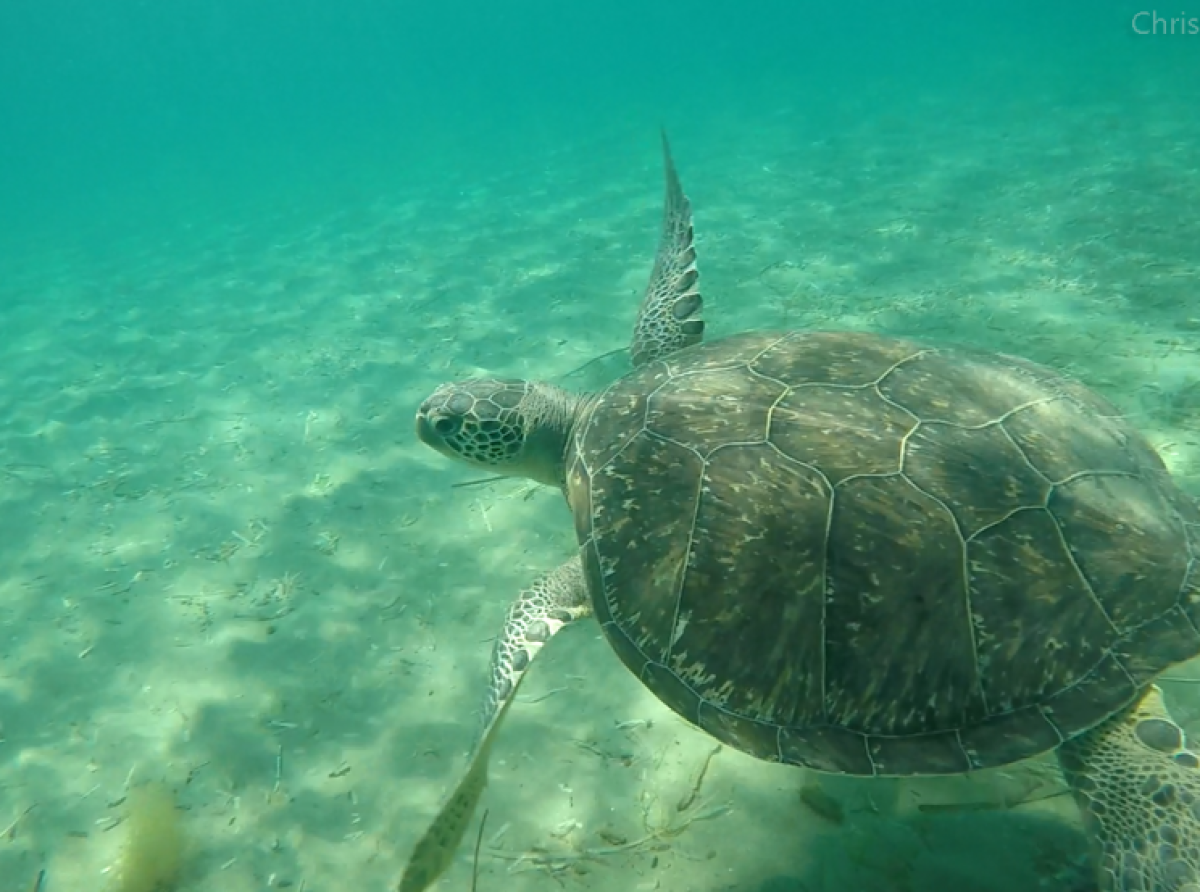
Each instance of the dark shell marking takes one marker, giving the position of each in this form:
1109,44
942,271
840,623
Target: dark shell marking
871,557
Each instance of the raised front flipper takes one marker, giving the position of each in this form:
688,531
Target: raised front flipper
553,601
670,315
1139,789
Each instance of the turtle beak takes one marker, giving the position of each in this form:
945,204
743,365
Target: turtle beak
425,430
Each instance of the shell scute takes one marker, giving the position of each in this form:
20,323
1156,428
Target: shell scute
873,557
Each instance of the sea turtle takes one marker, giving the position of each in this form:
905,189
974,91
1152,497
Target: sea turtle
862,555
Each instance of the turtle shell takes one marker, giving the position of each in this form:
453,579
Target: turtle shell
873,557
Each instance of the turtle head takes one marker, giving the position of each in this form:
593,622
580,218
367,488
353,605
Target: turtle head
501,425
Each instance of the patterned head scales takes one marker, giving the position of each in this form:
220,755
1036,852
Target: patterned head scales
478,421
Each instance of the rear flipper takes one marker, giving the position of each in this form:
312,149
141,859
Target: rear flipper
554,600
1139,789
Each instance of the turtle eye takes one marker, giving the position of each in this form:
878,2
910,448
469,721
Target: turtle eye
447,425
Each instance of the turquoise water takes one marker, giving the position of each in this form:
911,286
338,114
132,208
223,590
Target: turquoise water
119,117
240,242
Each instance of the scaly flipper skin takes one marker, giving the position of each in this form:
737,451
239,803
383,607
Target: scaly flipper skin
1139,789
670,315
553,601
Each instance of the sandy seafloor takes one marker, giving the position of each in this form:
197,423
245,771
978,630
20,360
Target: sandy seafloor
226,563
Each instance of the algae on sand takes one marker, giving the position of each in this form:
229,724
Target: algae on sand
153,854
